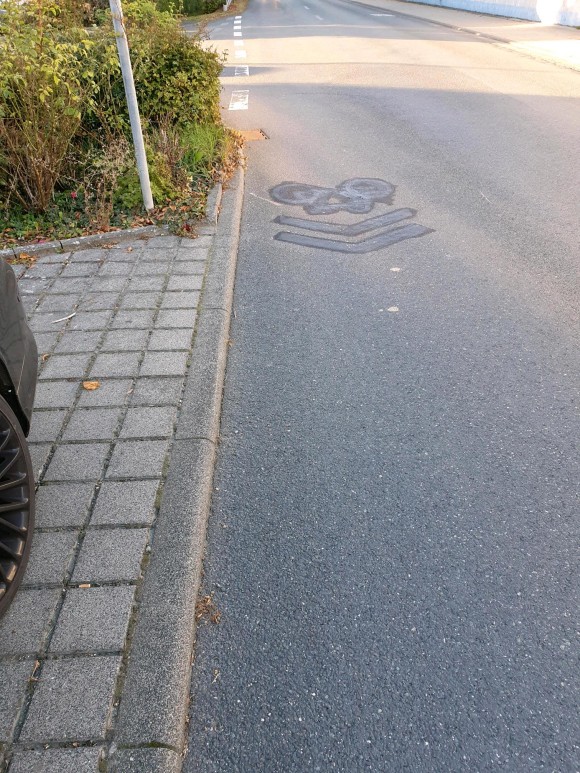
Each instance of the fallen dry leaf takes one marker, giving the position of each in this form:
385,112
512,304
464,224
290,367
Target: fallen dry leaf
90,386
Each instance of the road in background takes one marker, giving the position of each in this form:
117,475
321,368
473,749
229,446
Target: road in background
393,544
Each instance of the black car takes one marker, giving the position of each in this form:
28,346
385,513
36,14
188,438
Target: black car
18,369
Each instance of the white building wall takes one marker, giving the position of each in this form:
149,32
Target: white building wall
548,11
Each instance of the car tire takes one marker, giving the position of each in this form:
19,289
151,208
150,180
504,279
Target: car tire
16,504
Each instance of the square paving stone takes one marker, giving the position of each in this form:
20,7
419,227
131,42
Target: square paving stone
201,242
191,253
49,557
185,283
45,341
99,300
176,318
126,502
125,340
93,619
46,425
24,626
137,459
90,320
92,424
103,284
142,300
66,366
46,323
13,686
62,286
82,461
78,269
63,504
116,268
170,340
180,299
94,255
162,243
82,760
34,286
164,364
116,364
78,341
137,319
148,422
111,555
72,700
148,269
43,270
39,453
146,283
55,394
157,391
60,303
188,268
111,392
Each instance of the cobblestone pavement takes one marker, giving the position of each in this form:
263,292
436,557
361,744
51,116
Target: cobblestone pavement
124,317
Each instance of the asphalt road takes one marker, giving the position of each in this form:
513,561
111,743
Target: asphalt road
393,544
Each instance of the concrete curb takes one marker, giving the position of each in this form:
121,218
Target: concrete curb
150,734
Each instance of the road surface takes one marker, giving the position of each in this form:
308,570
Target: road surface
393,544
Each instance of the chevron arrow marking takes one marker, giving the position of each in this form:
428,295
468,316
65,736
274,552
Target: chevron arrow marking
377,242
356,229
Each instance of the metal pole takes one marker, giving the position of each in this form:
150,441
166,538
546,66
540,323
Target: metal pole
127,70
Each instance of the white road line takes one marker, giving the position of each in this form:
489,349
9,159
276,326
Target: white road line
242,69
240,54
319,18
239,43
237,17
237,34
307,8
239,100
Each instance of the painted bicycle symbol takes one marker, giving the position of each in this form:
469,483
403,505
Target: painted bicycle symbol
357,196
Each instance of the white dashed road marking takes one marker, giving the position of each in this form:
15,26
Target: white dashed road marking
239,100
239,43
242,69
237,34
319,18
240,54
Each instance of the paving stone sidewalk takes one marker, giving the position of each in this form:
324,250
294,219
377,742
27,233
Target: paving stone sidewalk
124,317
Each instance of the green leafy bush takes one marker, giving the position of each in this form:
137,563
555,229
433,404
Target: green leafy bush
46,79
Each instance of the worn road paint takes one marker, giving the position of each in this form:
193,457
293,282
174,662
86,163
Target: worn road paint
355,229
319,18
237,34
240,54
382,14
378,242
242,69
358,196
239,43
239,100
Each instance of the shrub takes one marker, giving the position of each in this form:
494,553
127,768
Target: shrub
46,77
